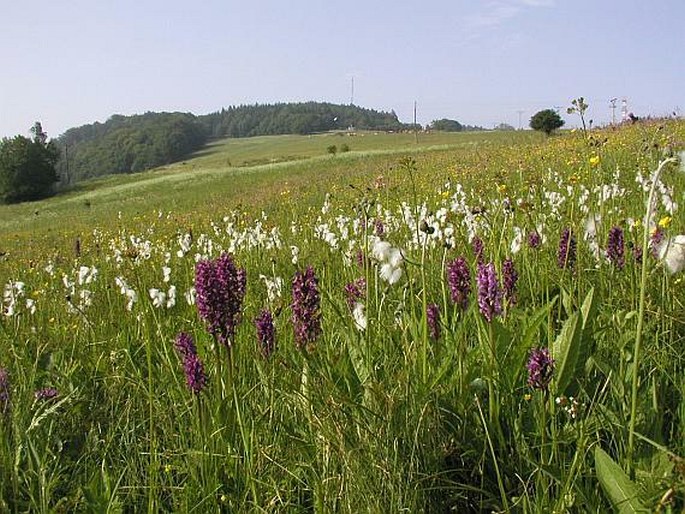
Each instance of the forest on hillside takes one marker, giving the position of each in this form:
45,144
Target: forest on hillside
128,144
295,118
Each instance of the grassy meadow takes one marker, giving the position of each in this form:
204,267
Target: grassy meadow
476,322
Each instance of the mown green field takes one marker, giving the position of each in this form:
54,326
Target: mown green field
488,322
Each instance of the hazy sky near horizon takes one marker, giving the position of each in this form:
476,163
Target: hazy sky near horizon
79,61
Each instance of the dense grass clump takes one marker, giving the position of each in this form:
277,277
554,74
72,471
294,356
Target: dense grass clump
495,326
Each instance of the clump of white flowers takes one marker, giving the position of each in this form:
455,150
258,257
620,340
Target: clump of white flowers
671,252
390,260
12,296
163,299
129,293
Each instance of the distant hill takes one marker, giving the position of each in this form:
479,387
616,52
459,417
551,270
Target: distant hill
295,118
126,144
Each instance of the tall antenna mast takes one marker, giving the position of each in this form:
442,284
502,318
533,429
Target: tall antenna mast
613,110
352,92
624,109
520,111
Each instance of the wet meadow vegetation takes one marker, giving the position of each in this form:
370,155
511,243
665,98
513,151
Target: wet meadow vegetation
487,322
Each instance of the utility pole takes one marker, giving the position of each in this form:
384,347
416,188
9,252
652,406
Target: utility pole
613,110
352,93
416,132
520,112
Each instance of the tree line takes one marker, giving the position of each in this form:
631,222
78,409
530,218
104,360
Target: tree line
295,118
34,168
128,144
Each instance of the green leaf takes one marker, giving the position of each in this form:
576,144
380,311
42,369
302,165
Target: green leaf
565,353
572,347
618,487
532,330
361,368
588,308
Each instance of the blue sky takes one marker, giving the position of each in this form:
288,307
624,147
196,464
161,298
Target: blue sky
79,61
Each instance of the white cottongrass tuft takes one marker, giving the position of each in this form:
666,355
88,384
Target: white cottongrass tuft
517,240
359,315
163,299
672,253
274,287
390,260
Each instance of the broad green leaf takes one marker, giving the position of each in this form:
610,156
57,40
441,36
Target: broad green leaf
618,487
565,353
533,326
588,308
573,345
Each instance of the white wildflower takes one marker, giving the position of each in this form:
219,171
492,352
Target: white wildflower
184,241
171,297
190,296
359,315
389,274
85,299
591,224
517,241
158,297
274,287
390,260
672,253
87,275
11,295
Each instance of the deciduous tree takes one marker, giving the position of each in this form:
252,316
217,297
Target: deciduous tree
546,121
27,167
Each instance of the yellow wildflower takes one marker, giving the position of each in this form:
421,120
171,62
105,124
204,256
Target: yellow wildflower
594,160
665,221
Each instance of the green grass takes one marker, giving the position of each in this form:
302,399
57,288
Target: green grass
208,182
392,418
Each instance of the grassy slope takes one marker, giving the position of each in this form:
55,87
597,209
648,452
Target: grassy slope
365,422
208,182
